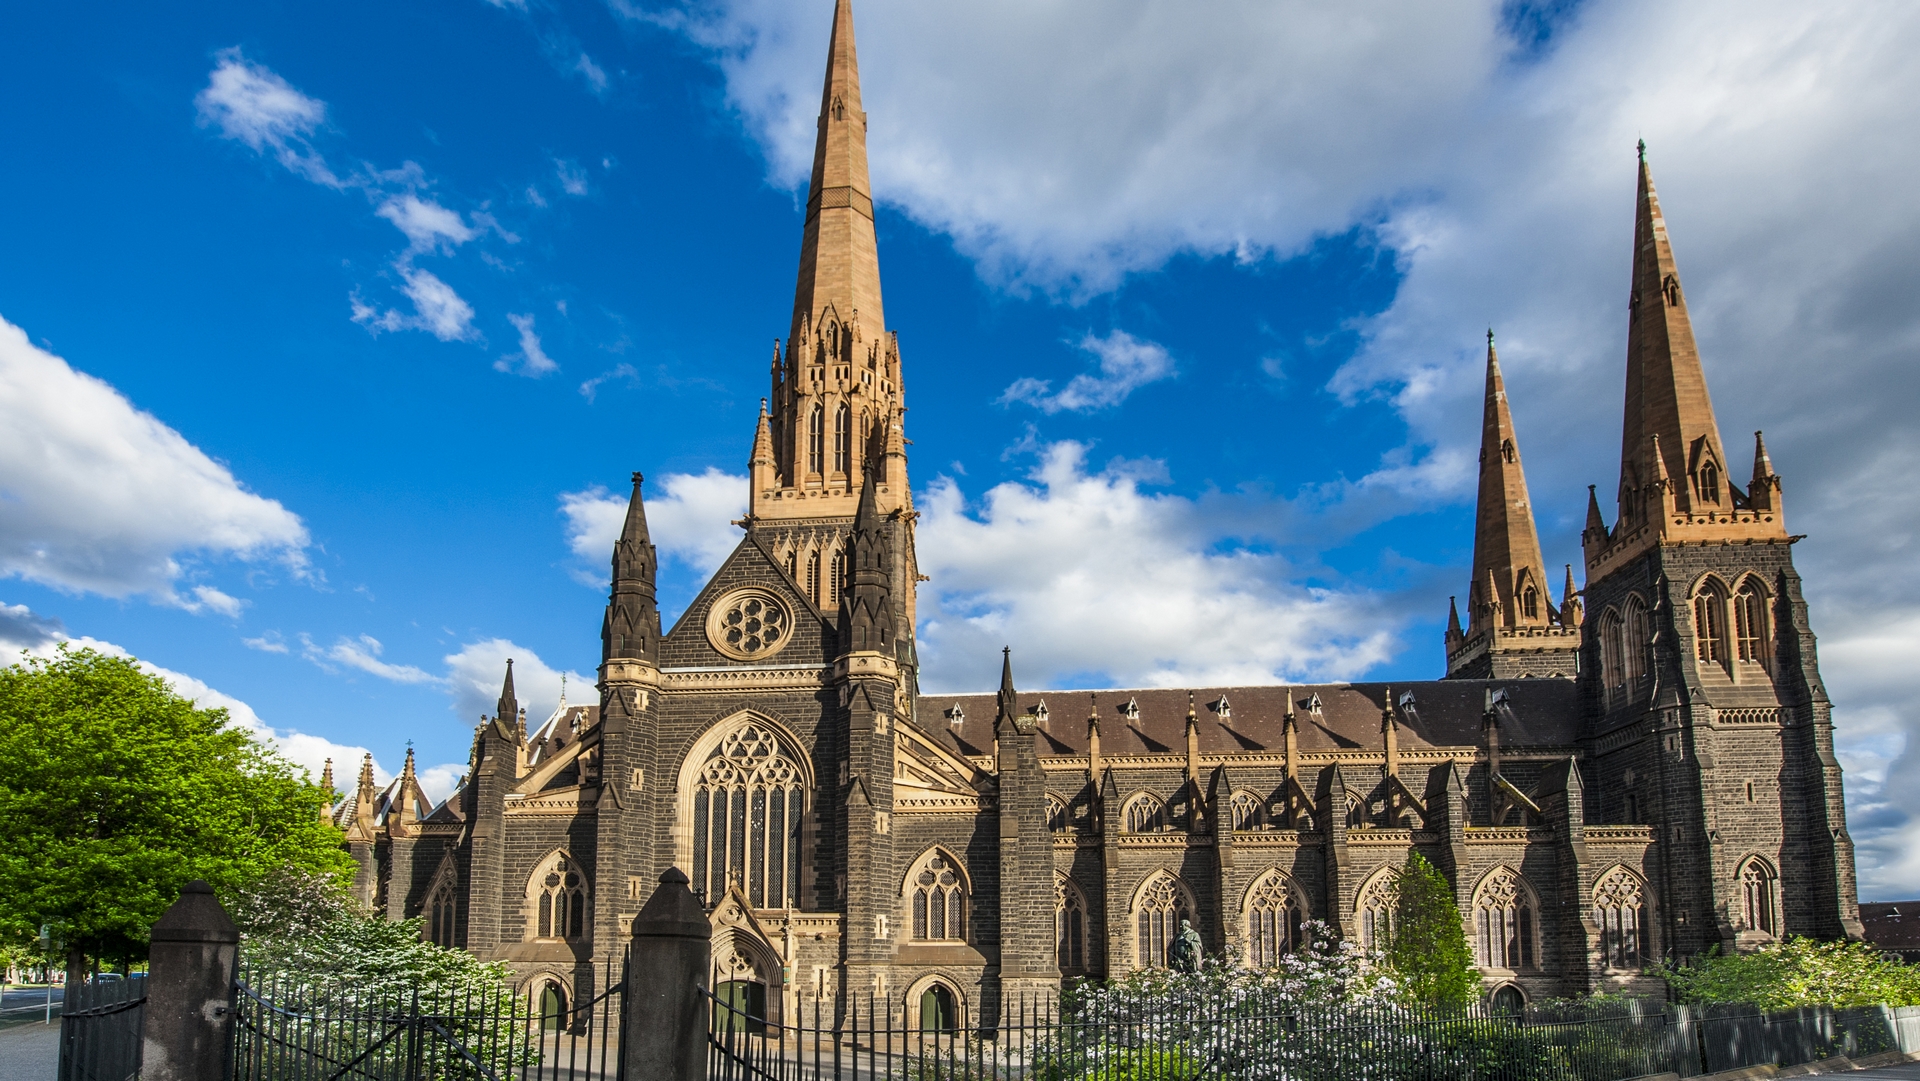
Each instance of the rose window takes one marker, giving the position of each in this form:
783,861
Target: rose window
749,625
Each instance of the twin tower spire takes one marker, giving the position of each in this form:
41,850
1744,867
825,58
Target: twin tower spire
1673,487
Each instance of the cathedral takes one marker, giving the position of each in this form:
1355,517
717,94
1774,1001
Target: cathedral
1639,771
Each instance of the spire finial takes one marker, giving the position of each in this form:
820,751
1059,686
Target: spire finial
1489,337
1643,151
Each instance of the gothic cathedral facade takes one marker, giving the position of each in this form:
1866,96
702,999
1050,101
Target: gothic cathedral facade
1643,770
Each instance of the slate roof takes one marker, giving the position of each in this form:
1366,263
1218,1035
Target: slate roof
1444,713
1892,925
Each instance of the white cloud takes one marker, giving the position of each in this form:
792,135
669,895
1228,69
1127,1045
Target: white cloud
475,673
595,75
590,390
573,179
252,105
1089,578
533,359
269,642
437,309
363,654
1126,364
428,225
103,497
689,516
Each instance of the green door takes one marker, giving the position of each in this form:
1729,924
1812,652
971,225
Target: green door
742,1007
936,1010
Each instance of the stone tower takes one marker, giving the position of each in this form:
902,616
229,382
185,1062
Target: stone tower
1705,714
1514,629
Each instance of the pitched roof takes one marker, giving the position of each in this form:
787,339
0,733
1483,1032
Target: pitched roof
1445,713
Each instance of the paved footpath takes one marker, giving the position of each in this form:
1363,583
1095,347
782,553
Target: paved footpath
29,1051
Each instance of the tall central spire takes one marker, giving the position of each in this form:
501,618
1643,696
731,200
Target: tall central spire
839,258
1509,586
836,404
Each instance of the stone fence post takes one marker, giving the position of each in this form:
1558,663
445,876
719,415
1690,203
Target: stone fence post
667,1015
188,1033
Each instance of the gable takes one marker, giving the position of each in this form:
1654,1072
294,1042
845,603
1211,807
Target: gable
748,567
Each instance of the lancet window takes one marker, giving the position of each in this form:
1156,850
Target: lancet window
1613,647
1056,815
1709,624
1503,912
1618,903
1637,642
1709,483
559,896
1530,603
441,911
836,577
813,576
1750,623
1274,917
842,438
1162,904
816,439
1070,925
938,899
1374,912
749,799
1757,910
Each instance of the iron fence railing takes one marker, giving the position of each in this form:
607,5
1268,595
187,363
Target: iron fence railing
287,1029
1245,1037
100,1026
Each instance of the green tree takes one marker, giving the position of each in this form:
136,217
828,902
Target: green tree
115,792
1795,973
1429,949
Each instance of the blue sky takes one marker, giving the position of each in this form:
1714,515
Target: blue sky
332,328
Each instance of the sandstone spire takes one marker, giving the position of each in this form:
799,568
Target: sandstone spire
836,395
1506,547
1666,388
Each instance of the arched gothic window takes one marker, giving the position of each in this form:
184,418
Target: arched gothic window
1249,812
1709,482
1750,623
1146,815
1618,900
559,896
1374,911
1069,924
1056,815
1757,911
1274,915
815,439
842,438
1530,602
937,896
1162,904
441,911
836,578
813,576
1503,911
1356,813
1710,624
1613,648
1637,642
749,798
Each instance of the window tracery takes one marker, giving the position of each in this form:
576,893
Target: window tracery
1709,624
1070,924
1249,812
559,896
816,420
1056,815
1374,910
938,900
842,438
441,911
1146,814
1750,623
1619,899
1757,910
1503,911
1162,904
749,798
1274,918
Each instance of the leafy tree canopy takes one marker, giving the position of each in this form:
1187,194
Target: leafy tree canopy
1795,973
1429,951
115,792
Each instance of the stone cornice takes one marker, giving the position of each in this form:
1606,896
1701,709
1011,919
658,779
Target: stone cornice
729,679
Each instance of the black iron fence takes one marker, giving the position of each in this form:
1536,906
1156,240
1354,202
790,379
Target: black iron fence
100,1027
288,1030
1235,1037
